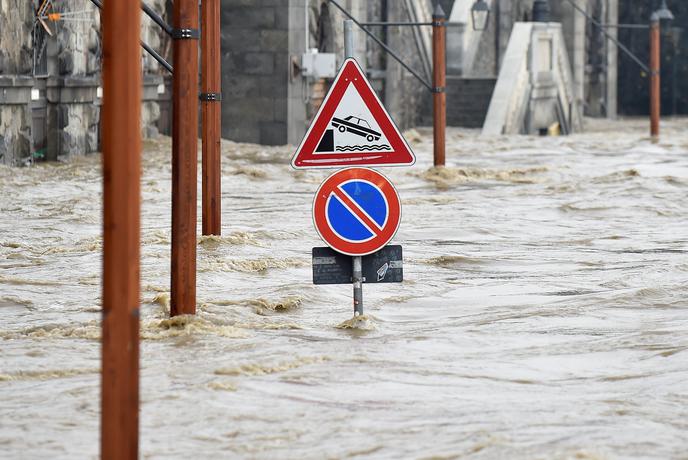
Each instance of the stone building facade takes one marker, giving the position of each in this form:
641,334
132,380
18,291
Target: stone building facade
265,97
268,101
15,81
50,84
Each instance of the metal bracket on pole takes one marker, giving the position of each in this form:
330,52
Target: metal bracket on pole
440,89
186,34
151,51
210,97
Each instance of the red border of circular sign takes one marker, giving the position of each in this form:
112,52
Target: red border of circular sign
328,235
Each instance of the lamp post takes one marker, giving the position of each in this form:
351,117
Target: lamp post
665,16
654,76
659,19
480,14
675,42
540,11
439,82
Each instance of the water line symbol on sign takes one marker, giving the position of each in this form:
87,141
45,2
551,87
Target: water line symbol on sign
356,211
352,128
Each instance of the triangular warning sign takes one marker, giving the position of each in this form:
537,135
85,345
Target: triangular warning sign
352,128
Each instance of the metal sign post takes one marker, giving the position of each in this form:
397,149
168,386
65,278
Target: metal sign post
356,210
357,275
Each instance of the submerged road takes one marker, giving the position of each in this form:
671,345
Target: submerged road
544,313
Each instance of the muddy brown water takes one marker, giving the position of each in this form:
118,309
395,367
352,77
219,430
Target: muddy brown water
544,313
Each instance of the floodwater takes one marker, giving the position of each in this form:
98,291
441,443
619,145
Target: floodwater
544,313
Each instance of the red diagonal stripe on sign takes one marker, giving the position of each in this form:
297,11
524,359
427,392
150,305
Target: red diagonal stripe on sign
356,210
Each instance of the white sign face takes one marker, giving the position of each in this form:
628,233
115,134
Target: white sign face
354,128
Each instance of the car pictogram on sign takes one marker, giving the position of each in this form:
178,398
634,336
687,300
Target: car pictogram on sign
356,126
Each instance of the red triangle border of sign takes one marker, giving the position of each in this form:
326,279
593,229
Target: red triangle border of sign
305,156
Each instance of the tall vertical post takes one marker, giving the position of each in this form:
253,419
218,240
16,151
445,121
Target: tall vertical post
357,279
439,79
654,76
184,157
612,79
357,262
348,38
121,131
210,116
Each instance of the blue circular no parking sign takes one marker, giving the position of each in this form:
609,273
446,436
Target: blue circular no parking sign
356,211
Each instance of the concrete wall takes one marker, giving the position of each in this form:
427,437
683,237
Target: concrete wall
535,85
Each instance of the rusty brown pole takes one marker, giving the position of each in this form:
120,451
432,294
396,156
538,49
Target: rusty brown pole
439,78
121,141
210,112
184,157
654,77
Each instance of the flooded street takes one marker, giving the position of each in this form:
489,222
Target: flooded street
544,312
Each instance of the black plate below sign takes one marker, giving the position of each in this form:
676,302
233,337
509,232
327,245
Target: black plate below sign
383,266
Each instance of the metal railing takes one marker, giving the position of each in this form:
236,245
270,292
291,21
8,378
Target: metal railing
159,21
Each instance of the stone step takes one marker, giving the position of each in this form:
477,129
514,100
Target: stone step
468,100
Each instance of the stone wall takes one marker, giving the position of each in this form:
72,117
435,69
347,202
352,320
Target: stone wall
55,111
15,120
16,81
15,37
254,40
265,99
71,87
